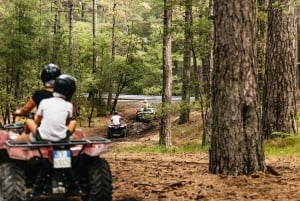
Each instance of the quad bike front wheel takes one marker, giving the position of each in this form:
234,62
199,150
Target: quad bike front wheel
12,182
124,132
109,133
100,181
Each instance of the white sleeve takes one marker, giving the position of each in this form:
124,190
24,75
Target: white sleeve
71,110
40,108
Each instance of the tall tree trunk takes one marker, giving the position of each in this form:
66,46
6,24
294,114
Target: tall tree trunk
122,82
236,144
126,6
165,136
261,41
205,101
56,32
186,77
298,51
113,55
207,65
279,101
71,39
93,93
196,75
95,52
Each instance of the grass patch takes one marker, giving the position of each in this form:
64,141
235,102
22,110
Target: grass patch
287,146
161,149
283,146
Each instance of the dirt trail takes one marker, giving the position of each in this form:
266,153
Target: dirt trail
174,177
183,177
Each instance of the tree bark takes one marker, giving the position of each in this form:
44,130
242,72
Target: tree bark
113,55
56,32
95,52
71,40
165,137
298,48
236,146
280,87
205,105
261,41
186,77
205,102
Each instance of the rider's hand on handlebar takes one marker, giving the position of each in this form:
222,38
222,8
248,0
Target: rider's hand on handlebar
20,113
17,112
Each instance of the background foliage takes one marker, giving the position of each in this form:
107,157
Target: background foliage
35,31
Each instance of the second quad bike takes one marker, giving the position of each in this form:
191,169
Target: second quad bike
42,169
119,130
145,115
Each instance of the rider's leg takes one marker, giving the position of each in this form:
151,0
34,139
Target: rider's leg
31,125
24,137
72,125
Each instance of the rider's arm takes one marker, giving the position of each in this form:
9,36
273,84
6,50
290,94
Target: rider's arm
38,119
26,108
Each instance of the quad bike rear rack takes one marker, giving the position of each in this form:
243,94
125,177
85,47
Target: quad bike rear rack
44,143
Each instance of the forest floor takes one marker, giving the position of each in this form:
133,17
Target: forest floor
184,176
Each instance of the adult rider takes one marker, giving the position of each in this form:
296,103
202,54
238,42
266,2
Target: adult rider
48,75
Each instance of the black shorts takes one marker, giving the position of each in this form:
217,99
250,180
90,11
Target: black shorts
39,138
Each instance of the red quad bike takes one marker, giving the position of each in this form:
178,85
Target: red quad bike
117,130
43,169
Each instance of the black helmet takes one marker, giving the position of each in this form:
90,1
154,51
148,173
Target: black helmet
65,85
49,72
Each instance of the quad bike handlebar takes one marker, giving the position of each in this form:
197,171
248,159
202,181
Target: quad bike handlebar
13,126
29,115
16,126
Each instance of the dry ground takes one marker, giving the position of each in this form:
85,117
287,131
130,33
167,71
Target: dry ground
182,177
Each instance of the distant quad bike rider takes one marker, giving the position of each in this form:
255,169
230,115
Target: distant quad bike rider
53,118
146,106
117,127
116,119
145,113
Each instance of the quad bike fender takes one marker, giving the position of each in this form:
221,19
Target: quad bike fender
95,150
91,150
3,137
26,153
23,153
31,151
79,134
121,125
